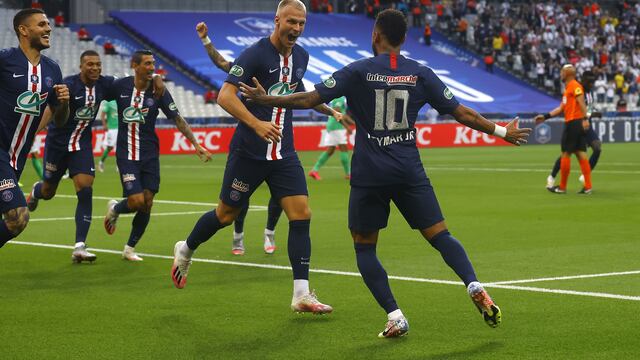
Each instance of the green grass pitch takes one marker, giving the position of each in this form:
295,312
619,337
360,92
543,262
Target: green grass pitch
494,202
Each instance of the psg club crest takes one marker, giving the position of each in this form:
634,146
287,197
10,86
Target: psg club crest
543,133
48,81
234,195
7,196
256,25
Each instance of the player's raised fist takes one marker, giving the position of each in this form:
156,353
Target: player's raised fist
62,92
202,30
539,119
516,135
203,153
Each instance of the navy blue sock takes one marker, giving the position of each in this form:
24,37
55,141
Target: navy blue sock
593,160
83,213
122,207
454,255
374,276
205,228
299,247
138,226
556,168
5,234
238,223
273,213
37,190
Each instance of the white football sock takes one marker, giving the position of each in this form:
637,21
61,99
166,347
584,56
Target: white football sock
395,315
300,288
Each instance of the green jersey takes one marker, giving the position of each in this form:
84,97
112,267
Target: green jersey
110,108
340,104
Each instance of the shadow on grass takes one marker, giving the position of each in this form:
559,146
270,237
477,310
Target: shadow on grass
385,345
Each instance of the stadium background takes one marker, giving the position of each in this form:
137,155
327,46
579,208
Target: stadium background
568,323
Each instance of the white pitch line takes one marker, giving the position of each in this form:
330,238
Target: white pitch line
570,277
122,215
172,202
348,273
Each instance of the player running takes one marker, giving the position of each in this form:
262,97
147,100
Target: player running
593,141
385,94
335,136
573,137
262,150
137,149
109,118
29,81
274,209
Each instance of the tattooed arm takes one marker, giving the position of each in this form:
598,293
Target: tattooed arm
185,129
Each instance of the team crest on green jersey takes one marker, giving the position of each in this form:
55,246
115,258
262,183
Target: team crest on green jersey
29,102
133,114
281,89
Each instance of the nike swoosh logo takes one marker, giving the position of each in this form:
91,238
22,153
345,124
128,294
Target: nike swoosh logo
273,70
124,96
79,97
17,76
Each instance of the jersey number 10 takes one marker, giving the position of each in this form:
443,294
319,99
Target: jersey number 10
386,106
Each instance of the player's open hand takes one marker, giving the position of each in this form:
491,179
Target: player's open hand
202,30
539,119
203,153
158,87
268,131
516,135
253,93
62,92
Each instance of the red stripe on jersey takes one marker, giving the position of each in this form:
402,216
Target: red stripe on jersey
21,134
134,129
393,61
274,149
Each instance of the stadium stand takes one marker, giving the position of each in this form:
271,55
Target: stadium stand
66,51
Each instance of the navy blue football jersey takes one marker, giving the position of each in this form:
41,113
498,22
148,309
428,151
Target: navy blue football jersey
84,102
279,75
137,114
385,94
25,91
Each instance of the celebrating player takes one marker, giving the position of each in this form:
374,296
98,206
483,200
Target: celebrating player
274,209
574,140
137,149
262,150
335,136
593,141
109,118
29,81
385,93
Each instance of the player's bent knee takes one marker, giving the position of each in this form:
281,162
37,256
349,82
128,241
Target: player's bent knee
136,203
596,146
16,219
48,190
432,231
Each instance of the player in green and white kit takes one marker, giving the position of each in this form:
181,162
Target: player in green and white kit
109,117
336,135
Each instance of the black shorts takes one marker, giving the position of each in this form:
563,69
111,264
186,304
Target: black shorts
242,176
137,176
11,197
57,161
573,137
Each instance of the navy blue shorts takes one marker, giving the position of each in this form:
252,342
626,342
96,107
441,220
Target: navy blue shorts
11,196
57,161
242,176
591,136
137,176
369,206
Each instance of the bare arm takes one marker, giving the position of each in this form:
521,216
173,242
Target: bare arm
218,60
303,100
46,118
61,111
471,118
582,104
553,113
230,102
185,129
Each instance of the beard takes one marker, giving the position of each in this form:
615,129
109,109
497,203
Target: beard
37,44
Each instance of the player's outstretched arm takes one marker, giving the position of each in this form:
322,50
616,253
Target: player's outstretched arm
471,118
218,60
185,129
61,111
303,100
230,102
540,118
